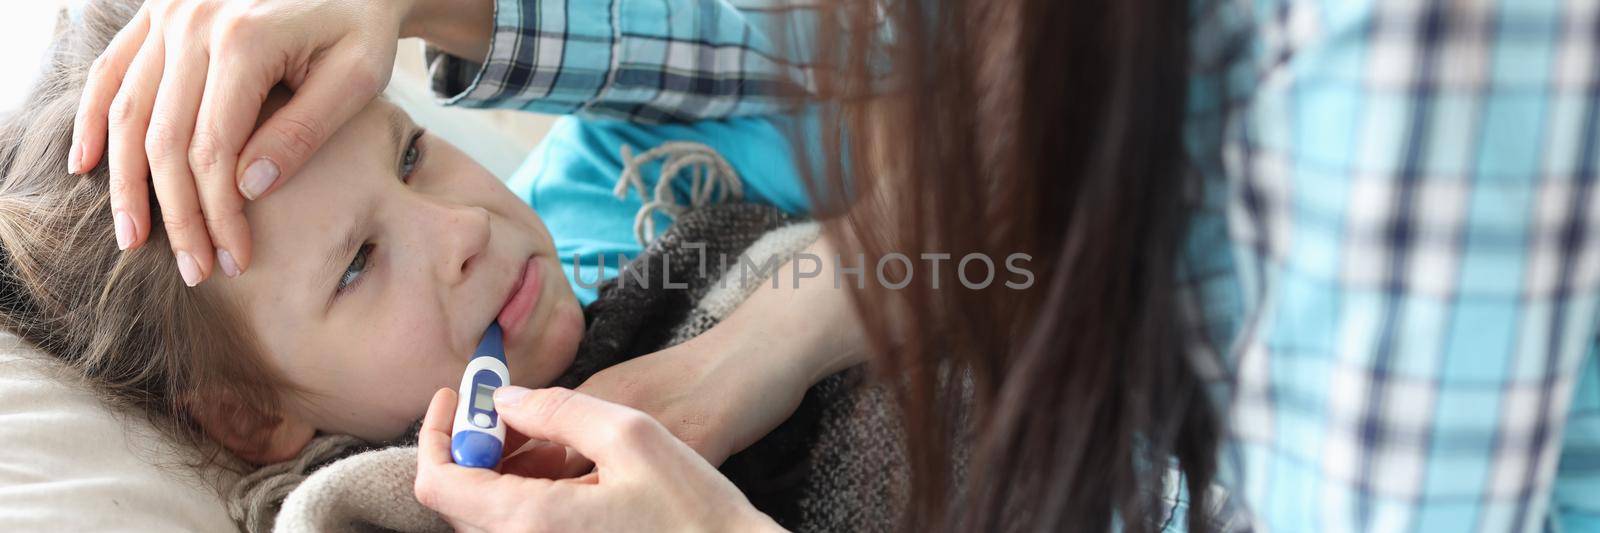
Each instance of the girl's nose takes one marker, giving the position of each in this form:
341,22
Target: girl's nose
462,233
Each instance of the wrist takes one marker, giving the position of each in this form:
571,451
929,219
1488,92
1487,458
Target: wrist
757,390
807,333
461,28
411,14
757,359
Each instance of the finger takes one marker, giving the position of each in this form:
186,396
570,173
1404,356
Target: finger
437,474
433,442
610,434
104,78
128,121
335,91
576,464
167,146
437,425
516,441
568,463
541,460
228,109
472,494
235,91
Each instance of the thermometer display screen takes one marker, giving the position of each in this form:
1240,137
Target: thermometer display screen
483,399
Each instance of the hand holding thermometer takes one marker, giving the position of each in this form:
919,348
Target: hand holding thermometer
478,437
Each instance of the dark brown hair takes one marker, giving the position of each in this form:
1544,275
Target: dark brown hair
1045,127
124,320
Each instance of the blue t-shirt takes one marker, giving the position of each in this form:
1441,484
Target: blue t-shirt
570,176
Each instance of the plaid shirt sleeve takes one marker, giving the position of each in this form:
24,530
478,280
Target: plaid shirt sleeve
1577,488
1413,207
641,60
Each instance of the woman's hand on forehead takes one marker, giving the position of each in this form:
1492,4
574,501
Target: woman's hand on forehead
178,93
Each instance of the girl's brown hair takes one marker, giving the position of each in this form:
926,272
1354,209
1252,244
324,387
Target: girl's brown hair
1050,128
125,320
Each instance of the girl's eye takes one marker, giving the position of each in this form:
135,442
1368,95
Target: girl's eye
358,265
412,156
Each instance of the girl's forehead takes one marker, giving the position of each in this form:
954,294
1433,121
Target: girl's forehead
293,226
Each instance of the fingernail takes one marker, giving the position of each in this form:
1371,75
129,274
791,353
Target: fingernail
229,267
509,395
72,160
189,268
124,226
258,177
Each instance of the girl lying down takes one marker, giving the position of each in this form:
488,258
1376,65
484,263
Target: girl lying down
376,269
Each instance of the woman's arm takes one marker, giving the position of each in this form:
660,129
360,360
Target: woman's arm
722,391
642,60
804,324
461,28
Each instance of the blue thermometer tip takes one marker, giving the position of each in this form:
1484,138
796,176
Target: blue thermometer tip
492,344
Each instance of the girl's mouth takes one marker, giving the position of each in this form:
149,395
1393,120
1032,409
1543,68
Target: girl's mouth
523,299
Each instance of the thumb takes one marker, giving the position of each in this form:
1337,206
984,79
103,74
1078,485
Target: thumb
334,91
541,460
610,434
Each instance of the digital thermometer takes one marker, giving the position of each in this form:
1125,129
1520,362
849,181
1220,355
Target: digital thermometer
478,437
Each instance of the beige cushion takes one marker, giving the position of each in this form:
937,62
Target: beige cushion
69,463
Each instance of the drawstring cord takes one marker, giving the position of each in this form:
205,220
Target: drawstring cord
707,170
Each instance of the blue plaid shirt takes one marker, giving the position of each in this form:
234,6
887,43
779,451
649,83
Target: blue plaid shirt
1395,277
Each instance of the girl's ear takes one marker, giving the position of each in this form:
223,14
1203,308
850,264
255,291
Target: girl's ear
254,436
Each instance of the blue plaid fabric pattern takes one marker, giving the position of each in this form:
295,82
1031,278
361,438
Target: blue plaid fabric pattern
1395,273
640,60
1407,316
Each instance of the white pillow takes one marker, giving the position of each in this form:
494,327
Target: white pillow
70,463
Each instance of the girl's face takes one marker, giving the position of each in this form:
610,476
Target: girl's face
379,265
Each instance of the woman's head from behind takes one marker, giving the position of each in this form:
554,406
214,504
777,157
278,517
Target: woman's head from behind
376,268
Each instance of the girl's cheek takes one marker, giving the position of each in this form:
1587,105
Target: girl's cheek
405,331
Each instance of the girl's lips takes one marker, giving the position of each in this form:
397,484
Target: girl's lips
522,300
